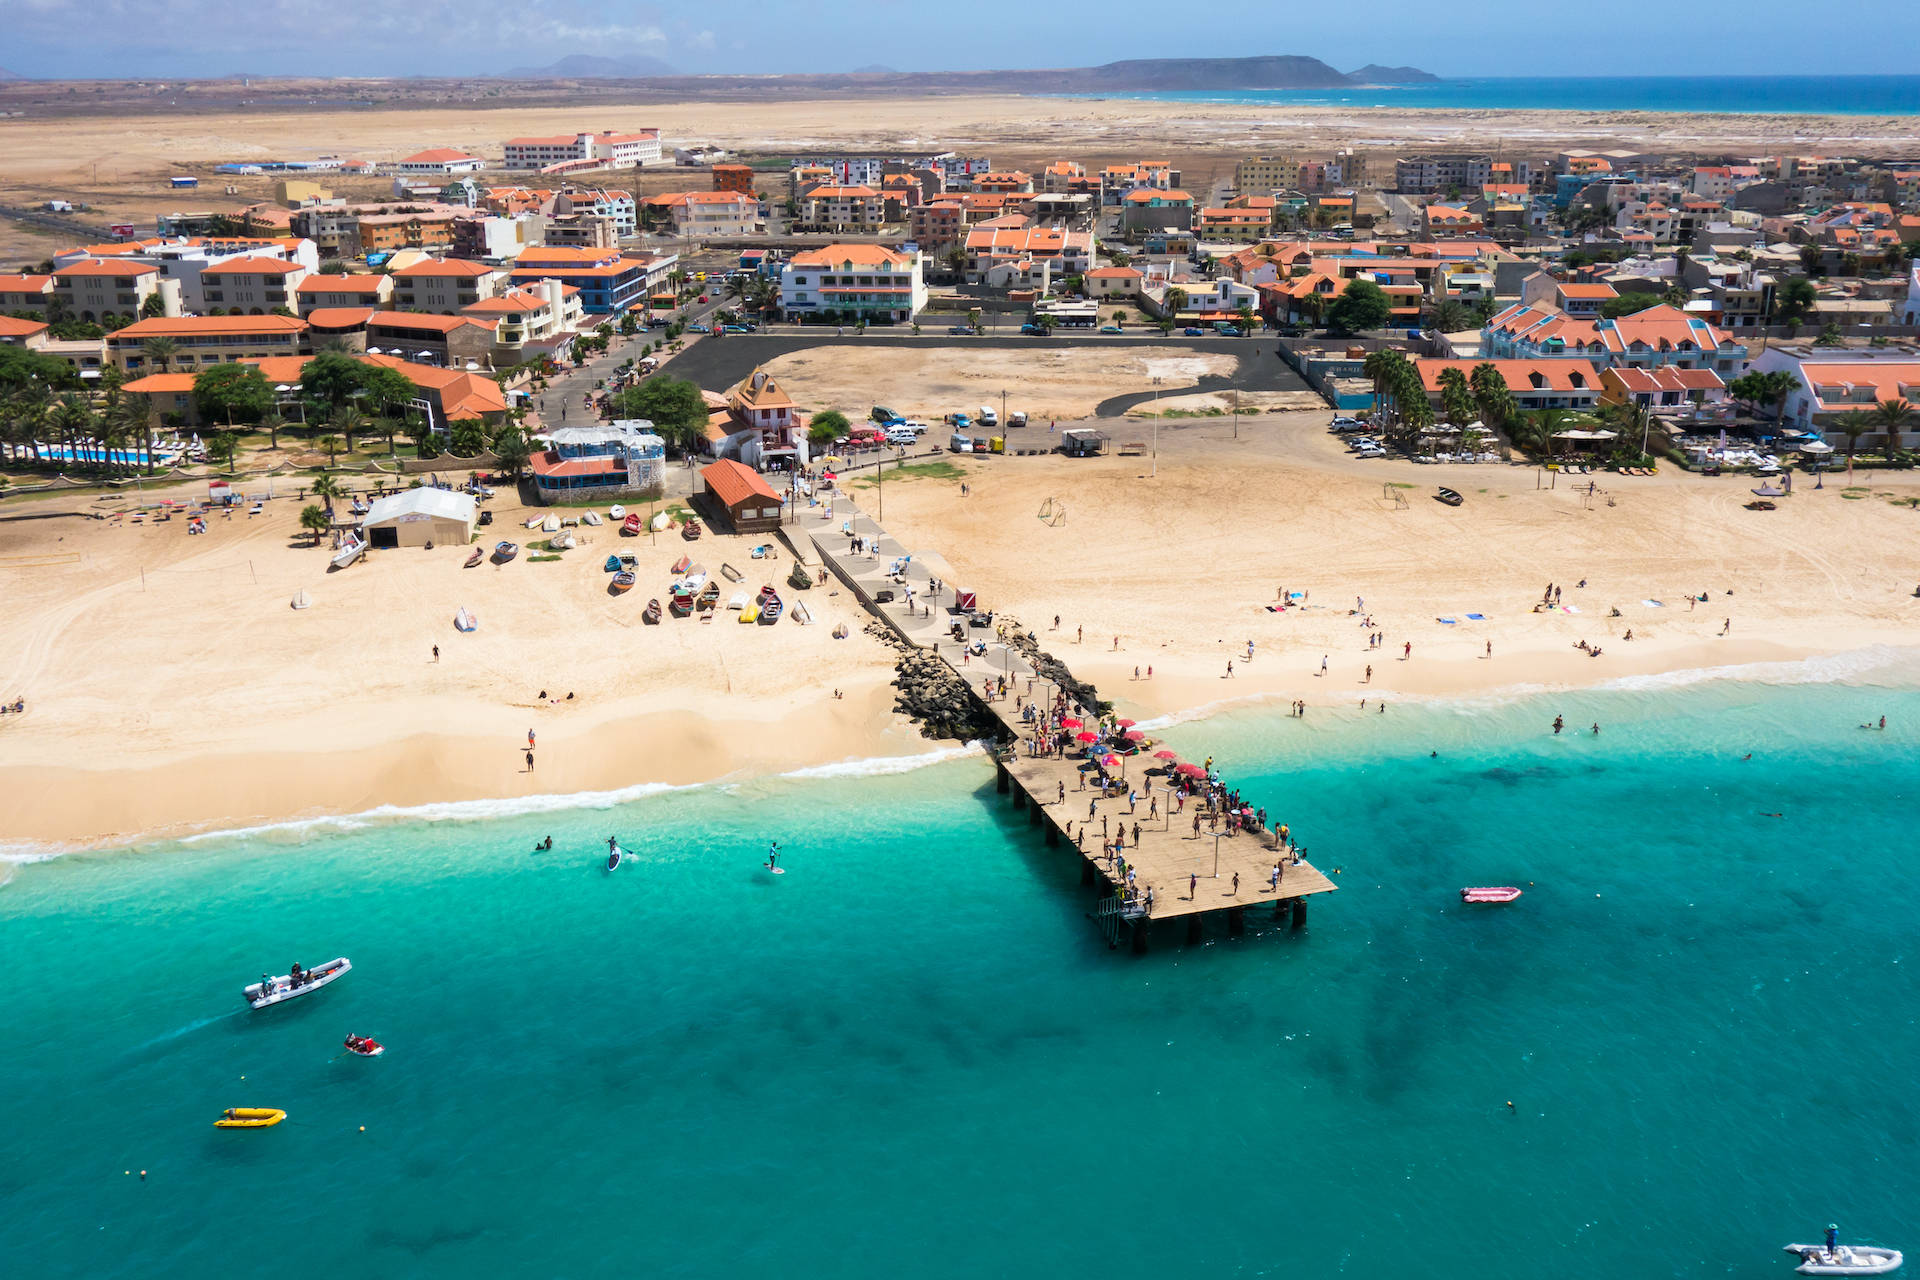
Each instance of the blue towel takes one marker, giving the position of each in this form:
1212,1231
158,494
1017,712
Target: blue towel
1447,621
1476,617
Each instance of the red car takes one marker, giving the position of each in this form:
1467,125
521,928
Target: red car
703,297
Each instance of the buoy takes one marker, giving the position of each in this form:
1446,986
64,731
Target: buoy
363,1128
143,1175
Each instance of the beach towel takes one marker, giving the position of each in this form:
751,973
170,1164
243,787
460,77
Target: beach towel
1570,608
1446,622
1476,617
1653,604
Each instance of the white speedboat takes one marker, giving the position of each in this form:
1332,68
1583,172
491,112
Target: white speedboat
349,551
1845,1259
259,995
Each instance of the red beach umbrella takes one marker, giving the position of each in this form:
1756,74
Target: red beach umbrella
1164,754
1134,735
1191,770
1083,736
1126,724
1071,723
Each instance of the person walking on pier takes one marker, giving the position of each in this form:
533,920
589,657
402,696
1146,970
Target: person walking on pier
1236,882
1193,886
1136,835
1063,793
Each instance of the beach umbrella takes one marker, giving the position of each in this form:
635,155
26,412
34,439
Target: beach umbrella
1134,735
1083,736
1164,754
1190,770
1126,724
1070,723
1110,761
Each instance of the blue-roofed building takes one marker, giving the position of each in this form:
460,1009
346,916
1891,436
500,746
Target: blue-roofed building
608,283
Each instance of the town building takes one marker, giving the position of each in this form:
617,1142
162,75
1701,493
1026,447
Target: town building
201,341
445,286
254,285
608,283
15,332
316,291
1156,209
441,161
993,246
452,341
1660,335
1666,390
1833,384
757,423
1114,282
705,214
622,457
604,150
733,177
738,498
1536,384
97,291
30,293
421,517
853,282
841,208
529,319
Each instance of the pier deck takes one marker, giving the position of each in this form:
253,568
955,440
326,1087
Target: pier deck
1190,875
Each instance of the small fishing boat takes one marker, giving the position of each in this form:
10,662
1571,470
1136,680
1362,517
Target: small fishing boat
770,610
680,603
287,987
691,530
612,565
710,596
682,565
301,600
750,614
1449,496
730,573
550,523
738,601
801,579
630,527
1490,893
464,621
504,551
662,522
1845,1259
350,550
800,613
591,518
249,1118
765,551
764,594
532,522
616,512
565,542
479,554
651,614
622,582
364,1046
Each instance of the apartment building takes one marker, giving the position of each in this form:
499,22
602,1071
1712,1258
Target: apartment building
29,293
529,318
441,162
938,226
1427,175
705,213
446,340
733,177
1834,383
607,282
201,341
1658,336
1259,175
1157,209
991,247
837,208
254,285
445,286
387,232
114,289
853,282
1234,226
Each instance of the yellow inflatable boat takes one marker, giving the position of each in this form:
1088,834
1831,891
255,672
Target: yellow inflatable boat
249,1118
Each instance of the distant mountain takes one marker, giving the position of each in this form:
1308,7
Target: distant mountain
1372,73
1272,72
12,75
875,69
590,66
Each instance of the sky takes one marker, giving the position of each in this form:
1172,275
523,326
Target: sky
190,38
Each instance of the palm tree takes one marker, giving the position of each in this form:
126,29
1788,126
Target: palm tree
331,443
1377,366
71,418
273,422
1853,426
1455,397
1450,315
159,351
1893,417
326,488
345,420
315,521
28,407
136,422
1176,298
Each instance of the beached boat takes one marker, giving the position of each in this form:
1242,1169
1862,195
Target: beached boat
364,1046
765,551
622,582
464,621
504,551
738,601
662,522
565,542
350,550
801,579
1845,1259
1490,893
479,554
532,522
249,1118
591,518
770,610
709,596
630,528
611,565
680,603
730,573
800,613
651,614
301,600
681,565
279,990
1449,496
616,512
691,530
750,614
550,523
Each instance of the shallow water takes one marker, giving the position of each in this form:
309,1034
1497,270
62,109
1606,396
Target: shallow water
913,1053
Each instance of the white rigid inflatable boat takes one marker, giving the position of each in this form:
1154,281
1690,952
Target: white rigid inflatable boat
1846,1259
259,995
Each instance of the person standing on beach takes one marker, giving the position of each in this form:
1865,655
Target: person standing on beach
530,737
1229,668
1407,653
1369,679
1323,664
436,653
529,762
1193,880
1489,648
1236,882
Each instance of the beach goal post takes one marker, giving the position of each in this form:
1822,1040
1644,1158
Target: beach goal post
1395,497
1053,512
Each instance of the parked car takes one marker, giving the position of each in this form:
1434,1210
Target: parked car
1034,330
960,328
742,328
1346,422
1227,330
1194,331
884,416
901,434
960,421
918,428
1111,328
960,443
1017,418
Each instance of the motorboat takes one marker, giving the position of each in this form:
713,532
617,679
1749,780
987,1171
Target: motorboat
1845,1259
1490,893
464,621
550,523
612,564
765,551
479,554
738,601
504,551
622,582
591,518
651,614
750,614
800,579
616,512
287,987
364,1046
350,550
249,1118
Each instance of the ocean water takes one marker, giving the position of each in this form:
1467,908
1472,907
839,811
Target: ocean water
912,1055
1766,95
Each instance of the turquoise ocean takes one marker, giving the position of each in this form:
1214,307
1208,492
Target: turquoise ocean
1788,95
913,1055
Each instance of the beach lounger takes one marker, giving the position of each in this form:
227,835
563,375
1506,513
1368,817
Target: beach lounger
1653,604
1571,608
1476,617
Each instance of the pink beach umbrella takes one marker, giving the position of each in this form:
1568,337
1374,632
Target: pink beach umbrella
1164,754
1126,724
1134,735
1070,723
1191,771
1110,761
1084,736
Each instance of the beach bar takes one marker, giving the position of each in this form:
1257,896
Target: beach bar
415,517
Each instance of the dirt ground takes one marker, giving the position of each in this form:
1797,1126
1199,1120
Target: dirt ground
1048,382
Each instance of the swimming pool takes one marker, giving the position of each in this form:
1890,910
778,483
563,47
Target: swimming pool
118,457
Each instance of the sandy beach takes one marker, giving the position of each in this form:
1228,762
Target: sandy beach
170,687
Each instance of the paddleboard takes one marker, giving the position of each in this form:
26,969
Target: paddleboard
779,871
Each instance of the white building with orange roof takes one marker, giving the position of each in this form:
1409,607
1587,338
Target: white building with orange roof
445,286
608,149
440,162
853,282
367,290
1832,384
98,290
841,208
202,341
703,213
30,293
529,318
251,285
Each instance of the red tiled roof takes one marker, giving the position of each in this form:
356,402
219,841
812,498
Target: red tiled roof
341,284
253,266
339,317
202,326
732,483
91,268
12,327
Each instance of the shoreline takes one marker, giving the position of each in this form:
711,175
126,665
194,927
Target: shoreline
414,799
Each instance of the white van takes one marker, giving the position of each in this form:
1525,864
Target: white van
902,434
961,443
988,418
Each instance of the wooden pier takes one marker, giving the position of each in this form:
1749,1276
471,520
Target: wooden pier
1190,876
